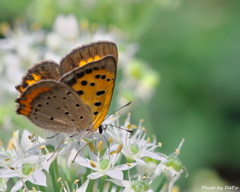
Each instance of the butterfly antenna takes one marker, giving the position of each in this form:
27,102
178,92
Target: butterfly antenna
119,128
118,109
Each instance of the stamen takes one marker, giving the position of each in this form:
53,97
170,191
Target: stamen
119,149
42,147
148,140
76,181
93,164
13,146
112,152
91,146
180,145
100,146
177,151
133,126
110,140
31,136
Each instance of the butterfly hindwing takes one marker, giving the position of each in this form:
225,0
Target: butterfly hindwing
55,106
80,56
94,83
43,70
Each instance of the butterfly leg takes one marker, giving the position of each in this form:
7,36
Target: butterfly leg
52,136
58,147
85,143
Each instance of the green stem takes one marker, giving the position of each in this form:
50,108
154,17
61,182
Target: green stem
162,183
126,175
91,184
54,175
68,178
118,189
102,182
41,188
110,187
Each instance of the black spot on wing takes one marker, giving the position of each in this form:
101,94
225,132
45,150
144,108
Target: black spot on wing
87,71
99,93
97,104
80,74
84,82
97,76
80,92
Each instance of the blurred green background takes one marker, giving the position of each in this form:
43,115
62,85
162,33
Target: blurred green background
194,46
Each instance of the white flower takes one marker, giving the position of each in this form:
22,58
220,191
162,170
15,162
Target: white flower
84,186
25,161
18,48
139,185
135,146
171,168
104,165
66,26
139,81
3,184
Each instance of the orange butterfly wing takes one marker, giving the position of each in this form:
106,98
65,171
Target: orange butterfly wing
94,83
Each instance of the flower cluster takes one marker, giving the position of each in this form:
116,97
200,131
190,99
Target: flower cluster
101,165
23,160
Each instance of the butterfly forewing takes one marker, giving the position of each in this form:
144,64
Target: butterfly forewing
55,106
94,83
43,70
80,56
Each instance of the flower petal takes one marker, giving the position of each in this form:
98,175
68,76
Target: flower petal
125,166
47,162
84,186
122,183
115,174
8,173
154,156
38,178
84,162
25,141
140,161
95,175
17,186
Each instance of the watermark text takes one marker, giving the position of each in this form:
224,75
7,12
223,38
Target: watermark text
221,188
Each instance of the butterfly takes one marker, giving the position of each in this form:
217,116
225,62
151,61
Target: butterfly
73,97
